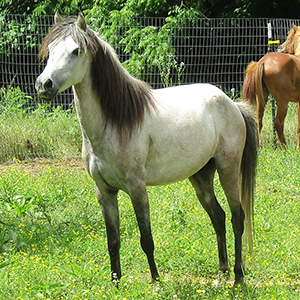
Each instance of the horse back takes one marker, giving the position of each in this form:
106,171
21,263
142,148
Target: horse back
282,75
193,124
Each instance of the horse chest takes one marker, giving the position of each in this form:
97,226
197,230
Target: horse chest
103,172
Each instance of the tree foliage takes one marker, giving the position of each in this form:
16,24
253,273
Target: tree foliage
209,8
67,7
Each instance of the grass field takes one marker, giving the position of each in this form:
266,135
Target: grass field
53,240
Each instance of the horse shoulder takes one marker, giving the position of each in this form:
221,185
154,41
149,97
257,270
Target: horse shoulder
112,163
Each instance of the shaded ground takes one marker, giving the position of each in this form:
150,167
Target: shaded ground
35,166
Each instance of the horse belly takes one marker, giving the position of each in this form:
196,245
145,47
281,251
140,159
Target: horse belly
168,174
178,160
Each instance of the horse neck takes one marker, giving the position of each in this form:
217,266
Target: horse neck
297,49
89,110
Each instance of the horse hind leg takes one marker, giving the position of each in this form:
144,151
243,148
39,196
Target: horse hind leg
202,182
229,169
261,109
279,123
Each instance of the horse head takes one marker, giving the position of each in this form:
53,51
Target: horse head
292,43
66,64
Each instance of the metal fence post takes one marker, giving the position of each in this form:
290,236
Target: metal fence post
270,43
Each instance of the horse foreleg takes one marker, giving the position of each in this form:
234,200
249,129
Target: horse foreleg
203,185
279,123
140,203
298,129
109,206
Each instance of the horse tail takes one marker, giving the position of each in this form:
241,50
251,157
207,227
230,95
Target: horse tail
248,170
253,86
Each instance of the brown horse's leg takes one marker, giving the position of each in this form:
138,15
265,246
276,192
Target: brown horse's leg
260,108
298,129
279,122
203,185
260,114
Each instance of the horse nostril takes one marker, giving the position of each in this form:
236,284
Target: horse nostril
48,84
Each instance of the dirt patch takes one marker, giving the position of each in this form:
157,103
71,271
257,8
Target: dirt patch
37,165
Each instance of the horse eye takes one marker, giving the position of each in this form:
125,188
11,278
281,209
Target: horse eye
76,52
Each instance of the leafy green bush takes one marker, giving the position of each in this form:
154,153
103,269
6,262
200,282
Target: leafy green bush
12,31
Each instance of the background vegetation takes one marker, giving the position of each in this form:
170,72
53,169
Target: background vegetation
149,8
149,49
43,132
54,133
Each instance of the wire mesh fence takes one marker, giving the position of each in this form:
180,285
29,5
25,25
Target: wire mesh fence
214,51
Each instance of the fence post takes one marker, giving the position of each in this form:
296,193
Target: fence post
270,43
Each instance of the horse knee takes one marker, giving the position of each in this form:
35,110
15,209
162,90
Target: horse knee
278,125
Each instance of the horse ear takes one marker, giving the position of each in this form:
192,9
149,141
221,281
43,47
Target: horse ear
81,21
295,28
57,18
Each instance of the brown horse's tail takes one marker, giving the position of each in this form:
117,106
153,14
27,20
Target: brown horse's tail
253,86
248,169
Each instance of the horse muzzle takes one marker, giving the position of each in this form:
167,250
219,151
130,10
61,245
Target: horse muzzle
46,89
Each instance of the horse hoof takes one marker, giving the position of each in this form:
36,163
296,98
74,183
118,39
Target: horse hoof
239,280
155,280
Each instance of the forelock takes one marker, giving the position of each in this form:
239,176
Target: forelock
86,39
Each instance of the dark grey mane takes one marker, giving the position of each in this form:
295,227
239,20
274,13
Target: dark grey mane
123,98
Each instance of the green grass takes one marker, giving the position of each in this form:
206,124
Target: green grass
53,240
45,135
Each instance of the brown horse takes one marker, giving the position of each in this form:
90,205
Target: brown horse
277,74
